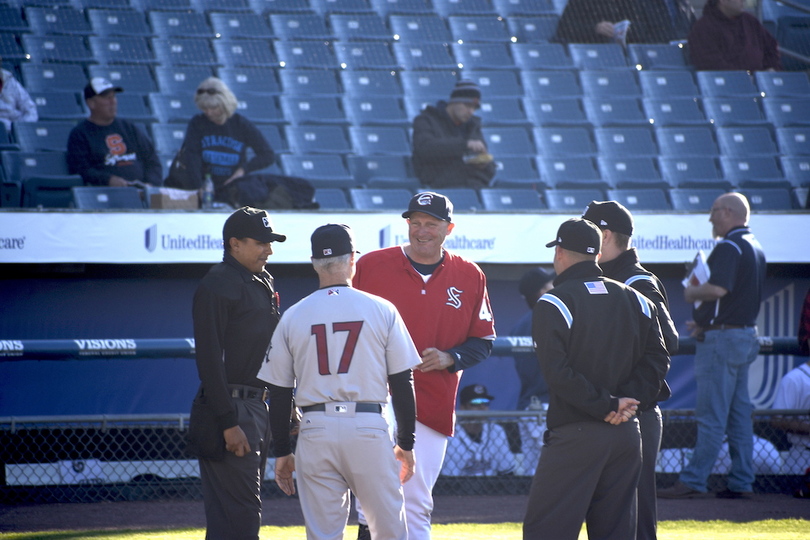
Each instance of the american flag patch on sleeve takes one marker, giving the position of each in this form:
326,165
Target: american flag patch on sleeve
596,287
332,292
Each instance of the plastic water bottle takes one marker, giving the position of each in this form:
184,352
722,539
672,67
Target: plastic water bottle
208,193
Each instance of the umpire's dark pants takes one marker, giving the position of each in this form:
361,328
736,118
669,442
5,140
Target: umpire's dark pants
588,471
651,428
231,487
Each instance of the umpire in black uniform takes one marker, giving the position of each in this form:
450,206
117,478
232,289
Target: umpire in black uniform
601,351
235,313
619,261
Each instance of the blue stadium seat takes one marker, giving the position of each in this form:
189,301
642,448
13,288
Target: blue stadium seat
511,199
305,54
495,83
541,56
606,111
308,82
623,172
726,84
245,53
208,6
63,20
656,56
379,199
180,51
181,80
516,171
446,8
43,135
570,172
169,108
292,26
322,170
250,80
266,7
180,24
797,169
424,28
134,107
366,168
783,83
272,134
511,8
10,190
240,25
463,199
380,140
375,111
802,197
368,83
564,141
508,141
53,48
674,112
415,104
668,84
169,137
533,28
572,200
118,22
753,171
612,84
135,78
478,56
260,109
325,7
733,111
433,84
365,55
478,28
555,112
122,50
11,50
550,84
787,111
409,183
104,198
686,141
49,192
53,77
313,109
393,7
502,111
769,199
625,141
317,139
692,171
332,199
745,141
694,199
794,140
22,165
641,199
597,56
12,20
359,27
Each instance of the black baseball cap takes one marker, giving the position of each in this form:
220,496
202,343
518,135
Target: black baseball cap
610,215
248,222
99,85
475,394
533,280
578,235
332,240
432,204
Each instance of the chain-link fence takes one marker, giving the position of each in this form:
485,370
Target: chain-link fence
70,459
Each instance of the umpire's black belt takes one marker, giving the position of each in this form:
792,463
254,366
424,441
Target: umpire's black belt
248,392
358,407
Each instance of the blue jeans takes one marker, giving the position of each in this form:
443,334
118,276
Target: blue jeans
723,407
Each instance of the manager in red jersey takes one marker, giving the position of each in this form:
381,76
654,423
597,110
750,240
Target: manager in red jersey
444,302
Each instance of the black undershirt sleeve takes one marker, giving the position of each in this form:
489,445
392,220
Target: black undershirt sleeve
473,351
281,402
404,403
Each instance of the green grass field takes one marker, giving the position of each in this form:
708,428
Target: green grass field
786,529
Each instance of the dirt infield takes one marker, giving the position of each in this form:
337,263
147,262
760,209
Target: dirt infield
286,512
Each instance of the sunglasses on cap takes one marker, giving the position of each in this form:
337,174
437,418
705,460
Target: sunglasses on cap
209,91
479,401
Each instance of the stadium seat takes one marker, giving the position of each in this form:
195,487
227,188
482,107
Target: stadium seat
416,104
53,77
668,84
375,111
733,111
640,199
511,8
68,20
564,141
135,78
415,29
379,199
169,137
502,111
134,107
21,165
783,83
266,7
365,168
409,183
365,55
787,111
122,50
326,7
380,140
612,84
12,20
572,200
260,109
190,24
305,54
178,51
317,139
250,80
49,192
446,8
686,141
300,26
726,84
623,172
794,140
541,56
597,56
533,28
511,199
694,199
753,171
104,198
555,112
433,84
53,48
181,80
10,191
359,27
392,7
478,28
625,141
550,84
11,50
692,171
463,199
607,111
495,83
272,134
508,141
313,109
801,197
208,6
367,83
169,108
516,171
769,199
321,170
43,135
674,112
483,56
797,169
651,56
240,25
745,141
308,82
245,53
570,172
332,199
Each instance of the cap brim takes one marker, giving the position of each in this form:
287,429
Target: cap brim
553,243
272,237
409,213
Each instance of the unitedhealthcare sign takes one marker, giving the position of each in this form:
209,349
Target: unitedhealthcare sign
179,242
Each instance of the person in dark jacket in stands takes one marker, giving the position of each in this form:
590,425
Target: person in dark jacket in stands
448,146
728,38
651,21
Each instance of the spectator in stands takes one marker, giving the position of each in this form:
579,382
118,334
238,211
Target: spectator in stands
15,103
448,147
651,21
109,151
728,38
480,447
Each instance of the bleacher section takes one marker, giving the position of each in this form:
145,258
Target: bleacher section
336,83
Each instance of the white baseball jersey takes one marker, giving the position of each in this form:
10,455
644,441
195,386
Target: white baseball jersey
339,344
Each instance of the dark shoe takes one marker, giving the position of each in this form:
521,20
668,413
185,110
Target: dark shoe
362,532
728,494
679,491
